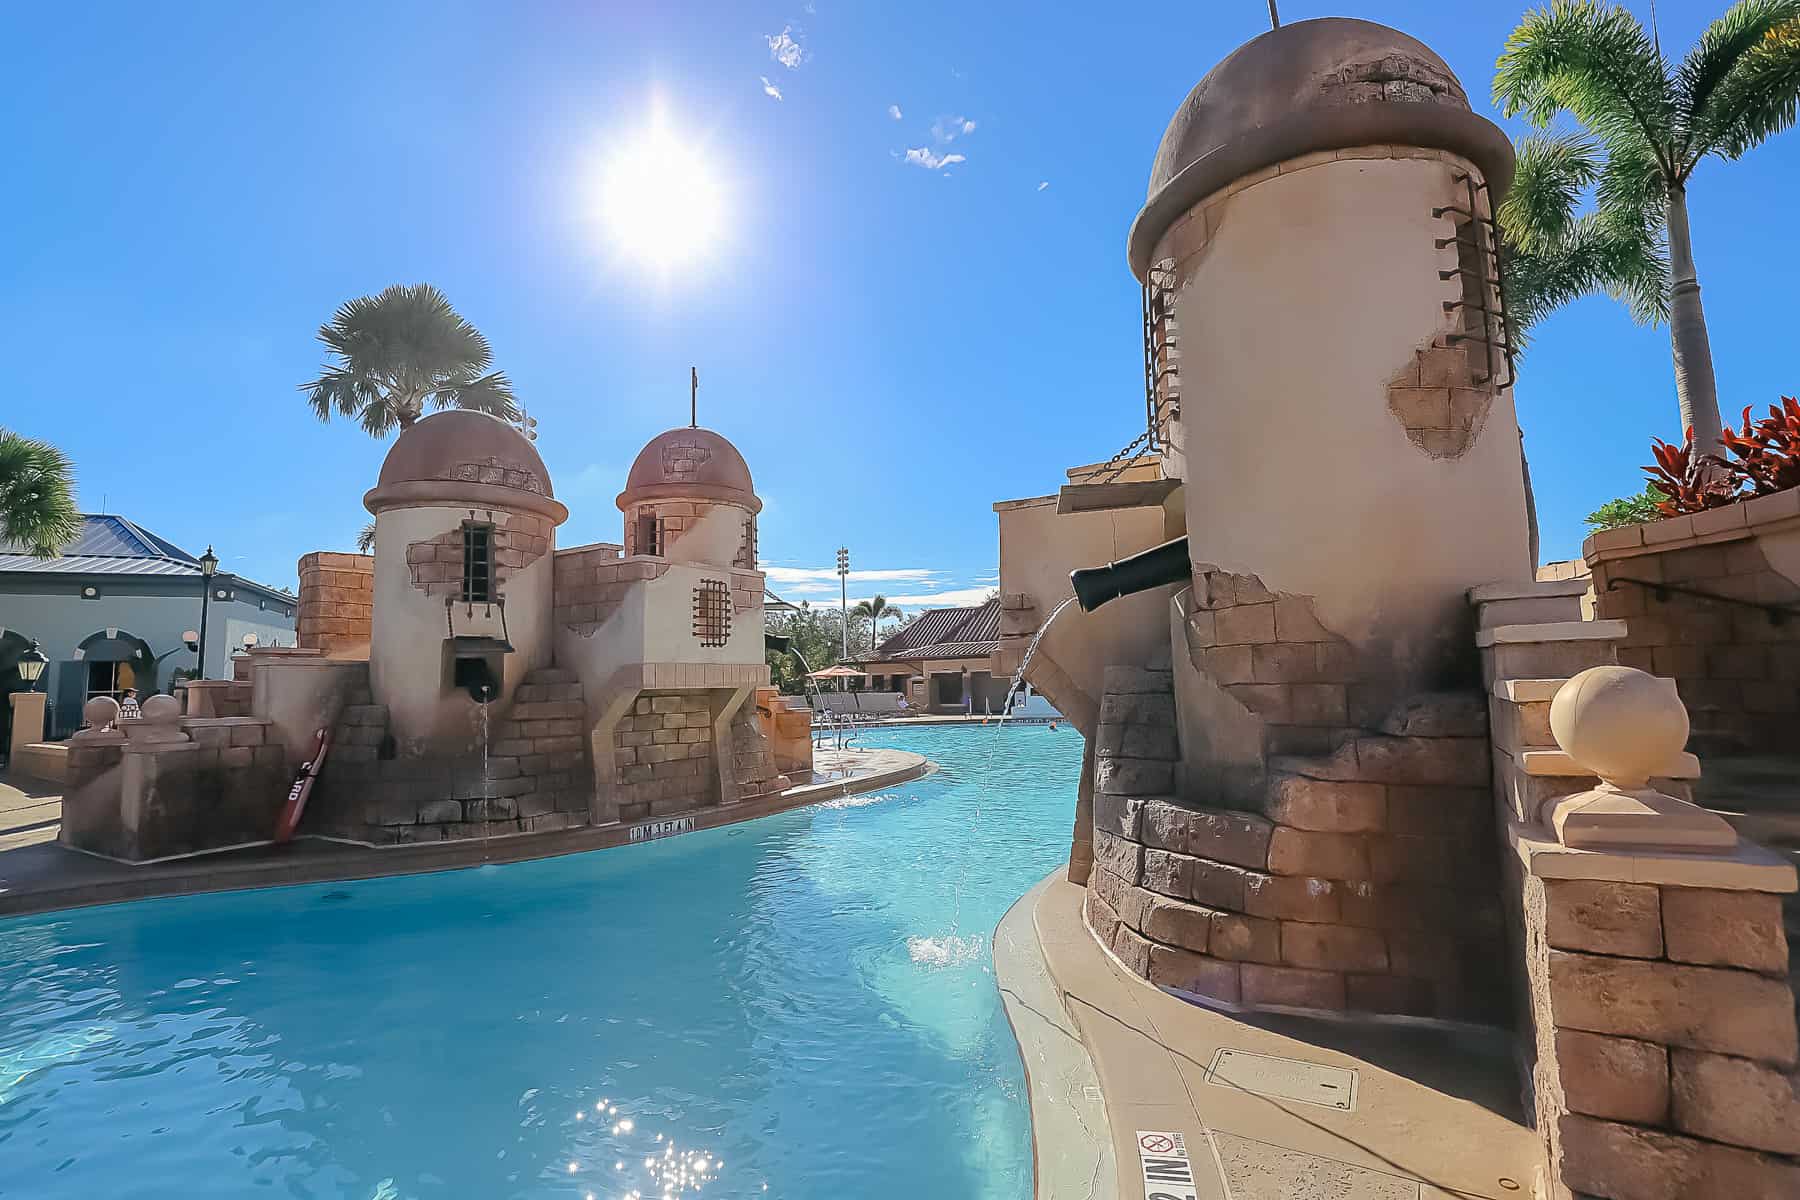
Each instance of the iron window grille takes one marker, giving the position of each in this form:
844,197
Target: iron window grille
712,612
477,564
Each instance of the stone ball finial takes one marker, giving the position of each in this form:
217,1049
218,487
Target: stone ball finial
162,709
100,712
1621,723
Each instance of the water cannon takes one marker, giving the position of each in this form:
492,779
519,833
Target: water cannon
1155,567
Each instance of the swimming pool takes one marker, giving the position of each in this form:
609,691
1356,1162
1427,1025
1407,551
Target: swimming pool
801,1006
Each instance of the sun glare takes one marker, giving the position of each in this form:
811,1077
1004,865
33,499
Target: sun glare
661,201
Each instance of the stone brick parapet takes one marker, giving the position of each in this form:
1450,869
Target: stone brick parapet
1361,879
1662,1031
337,593
535,775
1736,665
591,582
214,783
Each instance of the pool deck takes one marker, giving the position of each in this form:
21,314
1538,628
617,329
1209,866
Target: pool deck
1434,1109
39,875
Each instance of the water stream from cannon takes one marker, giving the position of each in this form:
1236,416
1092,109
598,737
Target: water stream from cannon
953,947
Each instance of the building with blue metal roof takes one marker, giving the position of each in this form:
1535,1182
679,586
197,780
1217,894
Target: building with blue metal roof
112,611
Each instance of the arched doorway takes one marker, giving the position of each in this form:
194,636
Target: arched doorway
105,663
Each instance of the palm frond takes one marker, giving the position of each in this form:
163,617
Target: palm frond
365,539
37,496
1593,61
491,394
1756,98
1552,174
398,350
1724,47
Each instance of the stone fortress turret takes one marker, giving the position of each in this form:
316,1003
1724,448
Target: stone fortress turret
689,498
465,528
1288,753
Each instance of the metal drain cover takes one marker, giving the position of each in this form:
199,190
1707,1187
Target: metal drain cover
1285,1078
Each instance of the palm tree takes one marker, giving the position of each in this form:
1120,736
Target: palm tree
1555,256
1656,121
37,496
874,611
400,350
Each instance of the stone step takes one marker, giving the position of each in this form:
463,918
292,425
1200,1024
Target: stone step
549,675
1557,649
540,710
533,693
1528,610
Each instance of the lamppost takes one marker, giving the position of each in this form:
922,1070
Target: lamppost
209,566
844,597
31,666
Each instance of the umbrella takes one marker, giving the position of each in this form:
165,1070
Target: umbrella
838,672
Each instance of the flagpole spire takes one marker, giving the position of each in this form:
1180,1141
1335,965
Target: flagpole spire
1274,17
693,397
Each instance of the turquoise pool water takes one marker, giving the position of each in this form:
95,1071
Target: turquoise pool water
801,1007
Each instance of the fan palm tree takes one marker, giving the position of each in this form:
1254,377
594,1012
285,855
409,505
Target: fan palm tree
875,610
399,351
37,496
1655,121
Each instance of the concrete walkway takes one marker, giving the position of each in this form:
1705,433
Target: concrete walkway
1270,1107
39,875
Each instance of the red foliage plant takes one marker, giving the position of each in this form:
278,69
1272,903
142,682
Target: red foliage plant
1768,451
1767,454
1690,483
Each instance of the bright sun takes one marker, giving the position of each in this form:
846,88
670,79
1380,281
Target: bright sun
661,202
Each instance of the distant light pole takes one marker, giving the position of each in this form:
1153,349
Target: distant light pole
844,597
209,566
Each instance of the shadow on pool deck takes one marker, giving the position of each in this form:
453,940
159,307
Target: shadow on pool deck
1436,1110
39,875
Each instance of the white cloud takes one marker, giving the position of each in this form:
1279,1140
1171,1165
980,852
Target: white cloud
770,89
1043,184
785,47
808,8
923,157
803,575
894,111
948,129
953,598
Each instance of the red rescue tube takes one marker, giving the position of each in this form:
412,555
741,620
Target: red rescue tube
295,806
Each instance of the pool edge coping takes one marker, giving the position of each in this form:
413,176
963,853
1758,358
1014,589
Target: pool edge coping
1064,1096
203,874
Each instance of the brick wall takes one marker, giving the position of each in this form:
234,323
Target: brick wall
591,582
336,595
1360,879
663,752
752,755
519,539
536,776
1664,1039
1737,671
1271,654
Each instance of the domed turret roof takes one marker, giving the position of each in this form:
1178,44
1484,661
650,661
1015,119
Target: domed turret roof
459,456
690,462
1323,84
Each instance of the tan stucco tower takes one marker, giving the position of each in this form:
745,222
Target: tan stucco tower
1295,812
465,527
689,498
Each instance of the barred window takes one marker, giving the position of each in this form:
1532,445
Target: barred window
477,563
712,612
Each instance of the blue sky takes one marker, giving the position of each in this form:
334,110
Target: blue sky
192,189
